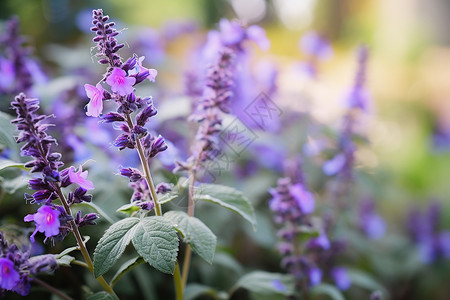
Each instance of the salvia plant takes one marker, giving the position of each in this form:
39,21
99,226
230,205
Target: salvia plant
319,232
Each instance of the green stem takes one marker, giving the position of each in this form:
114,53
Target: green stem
52,289
81,244
178,284
191,209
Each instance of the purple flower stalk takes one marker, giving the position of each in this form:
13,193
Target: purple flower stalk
17,268
51,219
317,48
122,77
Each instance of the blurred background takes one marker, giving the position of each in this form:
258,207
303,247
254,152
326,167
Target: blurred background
407,157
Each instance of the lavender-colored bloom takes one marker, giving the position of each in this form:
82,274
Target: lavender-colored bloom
9,276
79,178
315,276
278,285
95,94
120,83
139,69
132,173
17,268
305,199
46,220
321,242
334,165
358,97
370,222
341,278
316,45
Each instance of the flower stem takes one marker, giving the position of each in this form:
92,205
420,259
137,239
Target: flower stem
178,284
52,289
81,244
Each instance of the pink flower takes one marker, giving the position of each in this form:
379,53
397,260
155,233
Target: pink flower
46,220
95,93
140,69
80,178
120,83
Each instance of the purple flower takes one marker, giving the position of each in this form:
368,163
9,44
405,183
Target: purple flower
79,178
333,166
139,69
321,241
95,94
341,278
278,285
9,277
370,222
315,276
46,220
315,45
304,198
258,35
120,83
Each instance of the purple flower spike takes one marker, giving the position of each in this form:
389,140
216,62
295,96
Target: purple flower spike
304,198
46,220
80,178
95,105
120,83
8,274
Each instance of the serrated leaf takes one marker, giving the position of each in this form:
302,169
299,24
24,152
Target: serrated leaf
227,197
195,233
128,209
156,241
65,260
102,296
113,244
125,267
7,163
265,283
327,289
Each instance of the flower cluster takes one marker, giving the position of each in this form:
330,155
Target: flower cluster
357,102
424,228
317,48
17,268
307,259
50,219
16,67
122,77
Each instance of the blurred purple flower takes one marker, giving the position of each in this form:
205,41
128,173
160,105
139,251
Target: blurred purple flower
316,46
341,278
315,276
304,198
370,222
333,166
8,274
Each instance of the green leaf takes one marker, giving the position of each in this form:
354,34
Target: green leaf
156,241
96,209
194,290
227,197
65,260
327,289
195,233
70,249
113,244
7,132
127,266
102,296
267,284
7,163
364,280
166,198
14,184
128,209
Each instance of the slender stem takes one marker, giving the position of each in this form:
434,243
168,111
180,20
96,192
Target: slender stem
191,207
178,284
146,168
80,263
81,244
52,289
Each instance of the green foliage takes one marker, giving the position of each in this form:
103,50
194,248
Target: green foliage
156,240
7,163
227,197
195,233
265,284
127,266
364,280
101,296
7,132
113,244
327,289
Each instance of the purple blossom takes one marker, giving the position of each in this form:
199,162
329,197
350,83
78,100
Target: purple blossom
341,278
305,199
79,177
316,45
370,222
139,69
9,277
334,166
120,83
358,97
95,94
46,220
315,276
